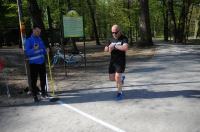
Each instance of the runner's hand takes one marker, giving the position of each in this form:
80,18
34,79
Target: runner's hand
106,49
111,47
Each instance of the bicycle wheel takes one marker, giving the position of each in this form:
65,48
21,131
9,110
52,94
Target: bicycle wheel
77,59
54,61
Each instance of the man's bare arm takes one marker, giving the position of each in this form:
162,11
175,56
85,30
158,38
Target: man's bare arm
123,47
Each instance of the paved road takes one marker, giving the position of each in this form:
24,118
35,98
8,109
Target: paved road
162,94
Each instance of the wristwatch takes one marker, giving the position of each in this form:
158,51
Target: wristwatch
115,47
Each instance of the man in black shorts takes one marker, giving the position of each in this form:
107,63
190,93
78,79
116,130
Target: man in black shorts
117,46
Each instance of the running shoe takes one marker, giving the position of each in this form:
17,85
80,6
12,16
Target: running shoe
44,96
119,96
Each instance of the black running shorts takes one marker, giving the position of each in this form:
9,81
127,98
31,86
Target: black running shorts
116,67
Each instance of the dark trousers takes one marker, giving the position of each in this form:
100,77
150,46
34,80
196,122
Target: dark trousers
35,70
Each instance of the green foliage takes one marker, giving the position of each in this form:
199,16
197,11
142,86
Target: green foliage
107,13
156,17
8,17
72,13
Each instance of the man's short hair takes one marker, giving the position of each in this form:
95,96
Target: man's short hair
36,26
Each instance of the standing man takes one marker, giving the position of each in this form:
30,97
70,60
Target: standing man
117,46
35,51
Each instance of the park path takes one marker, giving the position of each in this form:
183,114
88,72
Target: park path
162,94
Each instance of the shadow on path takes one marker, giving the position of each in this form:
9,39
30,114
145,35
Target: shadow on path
129,94
104,94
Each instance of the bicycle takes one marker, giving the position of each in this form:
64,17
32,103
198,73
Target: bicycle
70,59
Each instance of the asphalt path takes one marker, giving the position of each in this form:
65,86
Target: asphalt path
161,94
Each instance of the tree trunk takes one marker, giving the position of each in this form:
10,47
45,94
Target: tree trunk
197,25
130,28
136,29
198,32
145,28
35,13
179,32
182,21
165,17
49,18
173,19
196,28
36,16
188,22
166,28
50,36
181,25
69,5
105,25
92,12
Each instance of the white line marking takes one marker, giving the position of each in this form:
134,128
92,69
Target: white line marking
91,117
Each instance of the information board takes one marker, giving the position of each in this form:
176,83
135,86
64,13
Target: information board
73,26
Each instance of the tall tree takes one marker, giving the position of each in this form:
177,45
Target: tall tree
165,20
69,5
49,18
2,22
92,12
3,10
129,18
179,25
170,5
36,16
183,20
36,13
145,28
197,24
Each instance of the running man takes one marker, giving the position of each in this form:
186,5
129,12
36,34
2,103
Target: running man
117,46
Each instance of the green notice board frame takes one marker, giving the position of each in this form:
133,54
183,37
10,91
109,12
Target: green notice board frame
73,26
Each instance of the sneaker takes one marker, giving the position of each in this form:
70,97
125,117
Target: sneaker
35,98
119,96
44,96
123,78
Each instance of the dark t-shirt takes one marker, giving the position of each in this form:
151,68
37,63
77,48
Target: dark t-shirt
117,55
